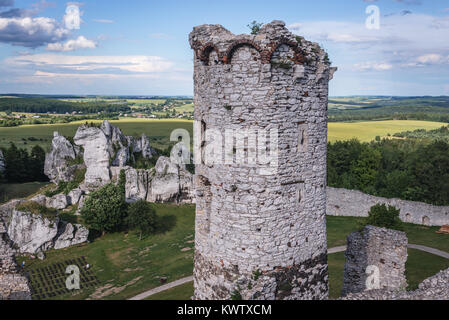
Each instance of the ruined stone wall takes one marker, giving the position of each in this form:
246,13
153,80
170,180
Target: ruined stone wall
13,285
261,235
353,203
375,252
433,288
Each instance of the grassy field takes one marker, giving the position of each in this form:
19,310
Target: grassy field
367,131
420,265
126,266
159,130
19,190
182,292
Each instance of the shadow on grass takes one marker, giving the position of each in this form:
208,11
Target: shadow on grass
165,223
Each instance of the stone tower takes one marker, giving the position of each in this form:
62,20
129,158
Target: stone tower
260,234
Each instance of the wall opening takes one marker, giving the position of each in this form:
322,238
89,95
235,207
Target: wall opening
408,217
426,221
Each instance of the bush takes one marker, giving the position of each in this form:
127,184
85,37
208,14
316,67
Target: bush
105,209
142,217
384,217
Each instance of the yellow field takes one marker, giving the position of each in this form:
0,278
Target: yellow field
367,131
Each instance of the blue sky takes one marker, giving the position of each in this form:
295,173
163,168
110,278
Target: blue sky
141,47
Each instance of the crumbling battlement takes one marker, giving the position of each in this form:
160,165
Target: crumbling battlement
261,235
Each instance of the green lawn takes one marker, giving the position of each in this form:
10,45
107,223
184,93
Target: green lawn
19,190
126,266
420,265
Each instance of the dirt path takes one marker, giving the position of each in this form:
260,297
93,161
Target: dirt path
176,283
167,286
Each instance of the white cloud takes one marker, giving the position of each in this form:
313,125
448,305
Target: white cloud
103,21
402,40
376,66
108,64
431,58
31,32
71,45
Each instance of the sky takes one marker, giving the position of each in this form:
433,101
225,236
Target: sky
140,47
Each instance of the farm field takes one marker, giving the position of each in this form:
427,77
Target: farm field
159,130
126,266
368,130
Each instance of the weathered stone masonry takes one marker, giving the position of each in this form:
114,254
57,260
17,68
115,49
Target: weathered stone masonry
353,203
262,236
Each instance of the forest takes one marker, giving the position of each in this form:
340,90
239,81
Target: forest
412,169
42,105
23,166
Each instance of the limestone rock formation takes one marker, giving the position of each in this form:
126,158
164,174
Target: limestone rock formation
166,182
57,166
375,259
2,162
105,147
106,150
32,233
70,235
96,154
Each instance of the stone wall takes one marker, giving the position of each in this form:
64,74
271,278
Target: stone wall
13,285
353,203
260,235
375,252
433,288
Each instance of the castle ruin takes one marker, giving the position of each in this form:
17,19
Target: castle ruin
260,234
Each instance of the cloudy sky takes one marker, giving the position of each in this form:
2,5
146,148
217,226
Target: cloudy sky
140,47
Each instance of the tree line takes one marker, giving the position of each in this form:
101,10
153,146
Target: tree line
407,169
40,105
23,166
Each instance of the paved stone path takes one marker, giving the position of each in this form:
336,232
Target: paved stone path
167,286
176,283
429,250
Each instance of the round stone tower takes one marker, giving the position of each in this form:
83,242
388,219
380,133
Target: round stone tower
260,228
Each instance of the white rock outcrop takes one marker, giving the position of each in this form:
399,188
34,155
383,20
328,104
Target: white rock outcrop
96,154
106,151
57,166
166,182
70,235
31,233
